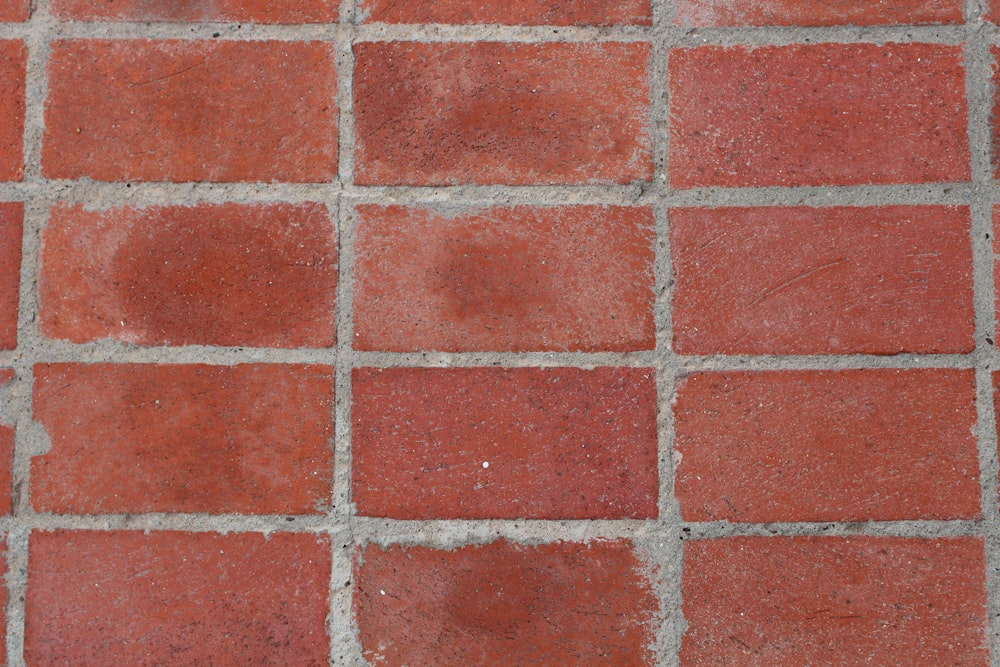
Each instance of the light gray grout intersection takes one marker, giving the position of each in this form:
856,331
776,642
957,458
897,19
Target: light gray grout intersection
661,539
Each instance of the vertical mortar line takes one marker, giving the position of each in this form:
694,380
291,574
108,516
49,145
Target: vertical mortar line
344,646
29,437
671,552
978,89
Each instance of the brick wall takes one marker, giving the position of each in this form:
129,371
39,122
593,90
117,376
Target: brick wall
533,332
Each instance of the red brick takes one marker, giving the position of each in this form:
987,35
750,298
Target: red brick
855,445
13,61
505,604
491,112
512,12
513,279
128,598
191,110
6,479
831,600
246,11
491,443
993,11
208,274
11,222
692,13
822,280
14,11
134,438
818,114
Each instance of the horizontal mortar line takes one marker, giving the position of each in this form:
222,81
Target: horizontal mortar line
43,350
439,32
906,528
100,194
682,364
641,359
846,195
187,522
784,35
196,31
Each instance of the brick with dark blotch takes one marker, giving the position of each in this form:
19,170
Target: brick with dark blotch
13,63
694,13
818,114
6,461
853,445
130,598
134,438
834,600
510,12
505,604
246,11
191,110
229,274
11,223
14,11
835,280
502,113
477,443
514,279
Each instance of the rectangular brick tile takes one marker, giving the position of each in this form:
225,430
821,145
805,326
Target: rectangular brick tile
191,110
14,11
854,445
817,114
694,13
6,470
172,598
133,438
209,274
513,279
11,223
837,280
510,12
492,112
505,604
832,600
13,63
245,11
491,443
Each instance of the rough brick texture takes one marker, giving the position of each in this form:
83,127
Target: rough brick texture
856,445
172,110
6,464
128,598
14,10
512,279
475,443
255,11
505,604
822,280
512,12
208,274
252,439
817,114
11,223
693,13
13,61
829,600
491,112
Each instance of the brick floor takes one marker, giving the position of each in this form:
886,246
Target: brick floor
536,332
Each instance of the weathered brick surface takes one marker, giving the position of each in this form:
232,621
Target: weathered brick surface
816,12
505,603
129,598
228,274
832,600
14,10
817,114
173,110
493,112
512,279
475,443
133,438
512,12
254,11
11,223
857,445
13,61
822,280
